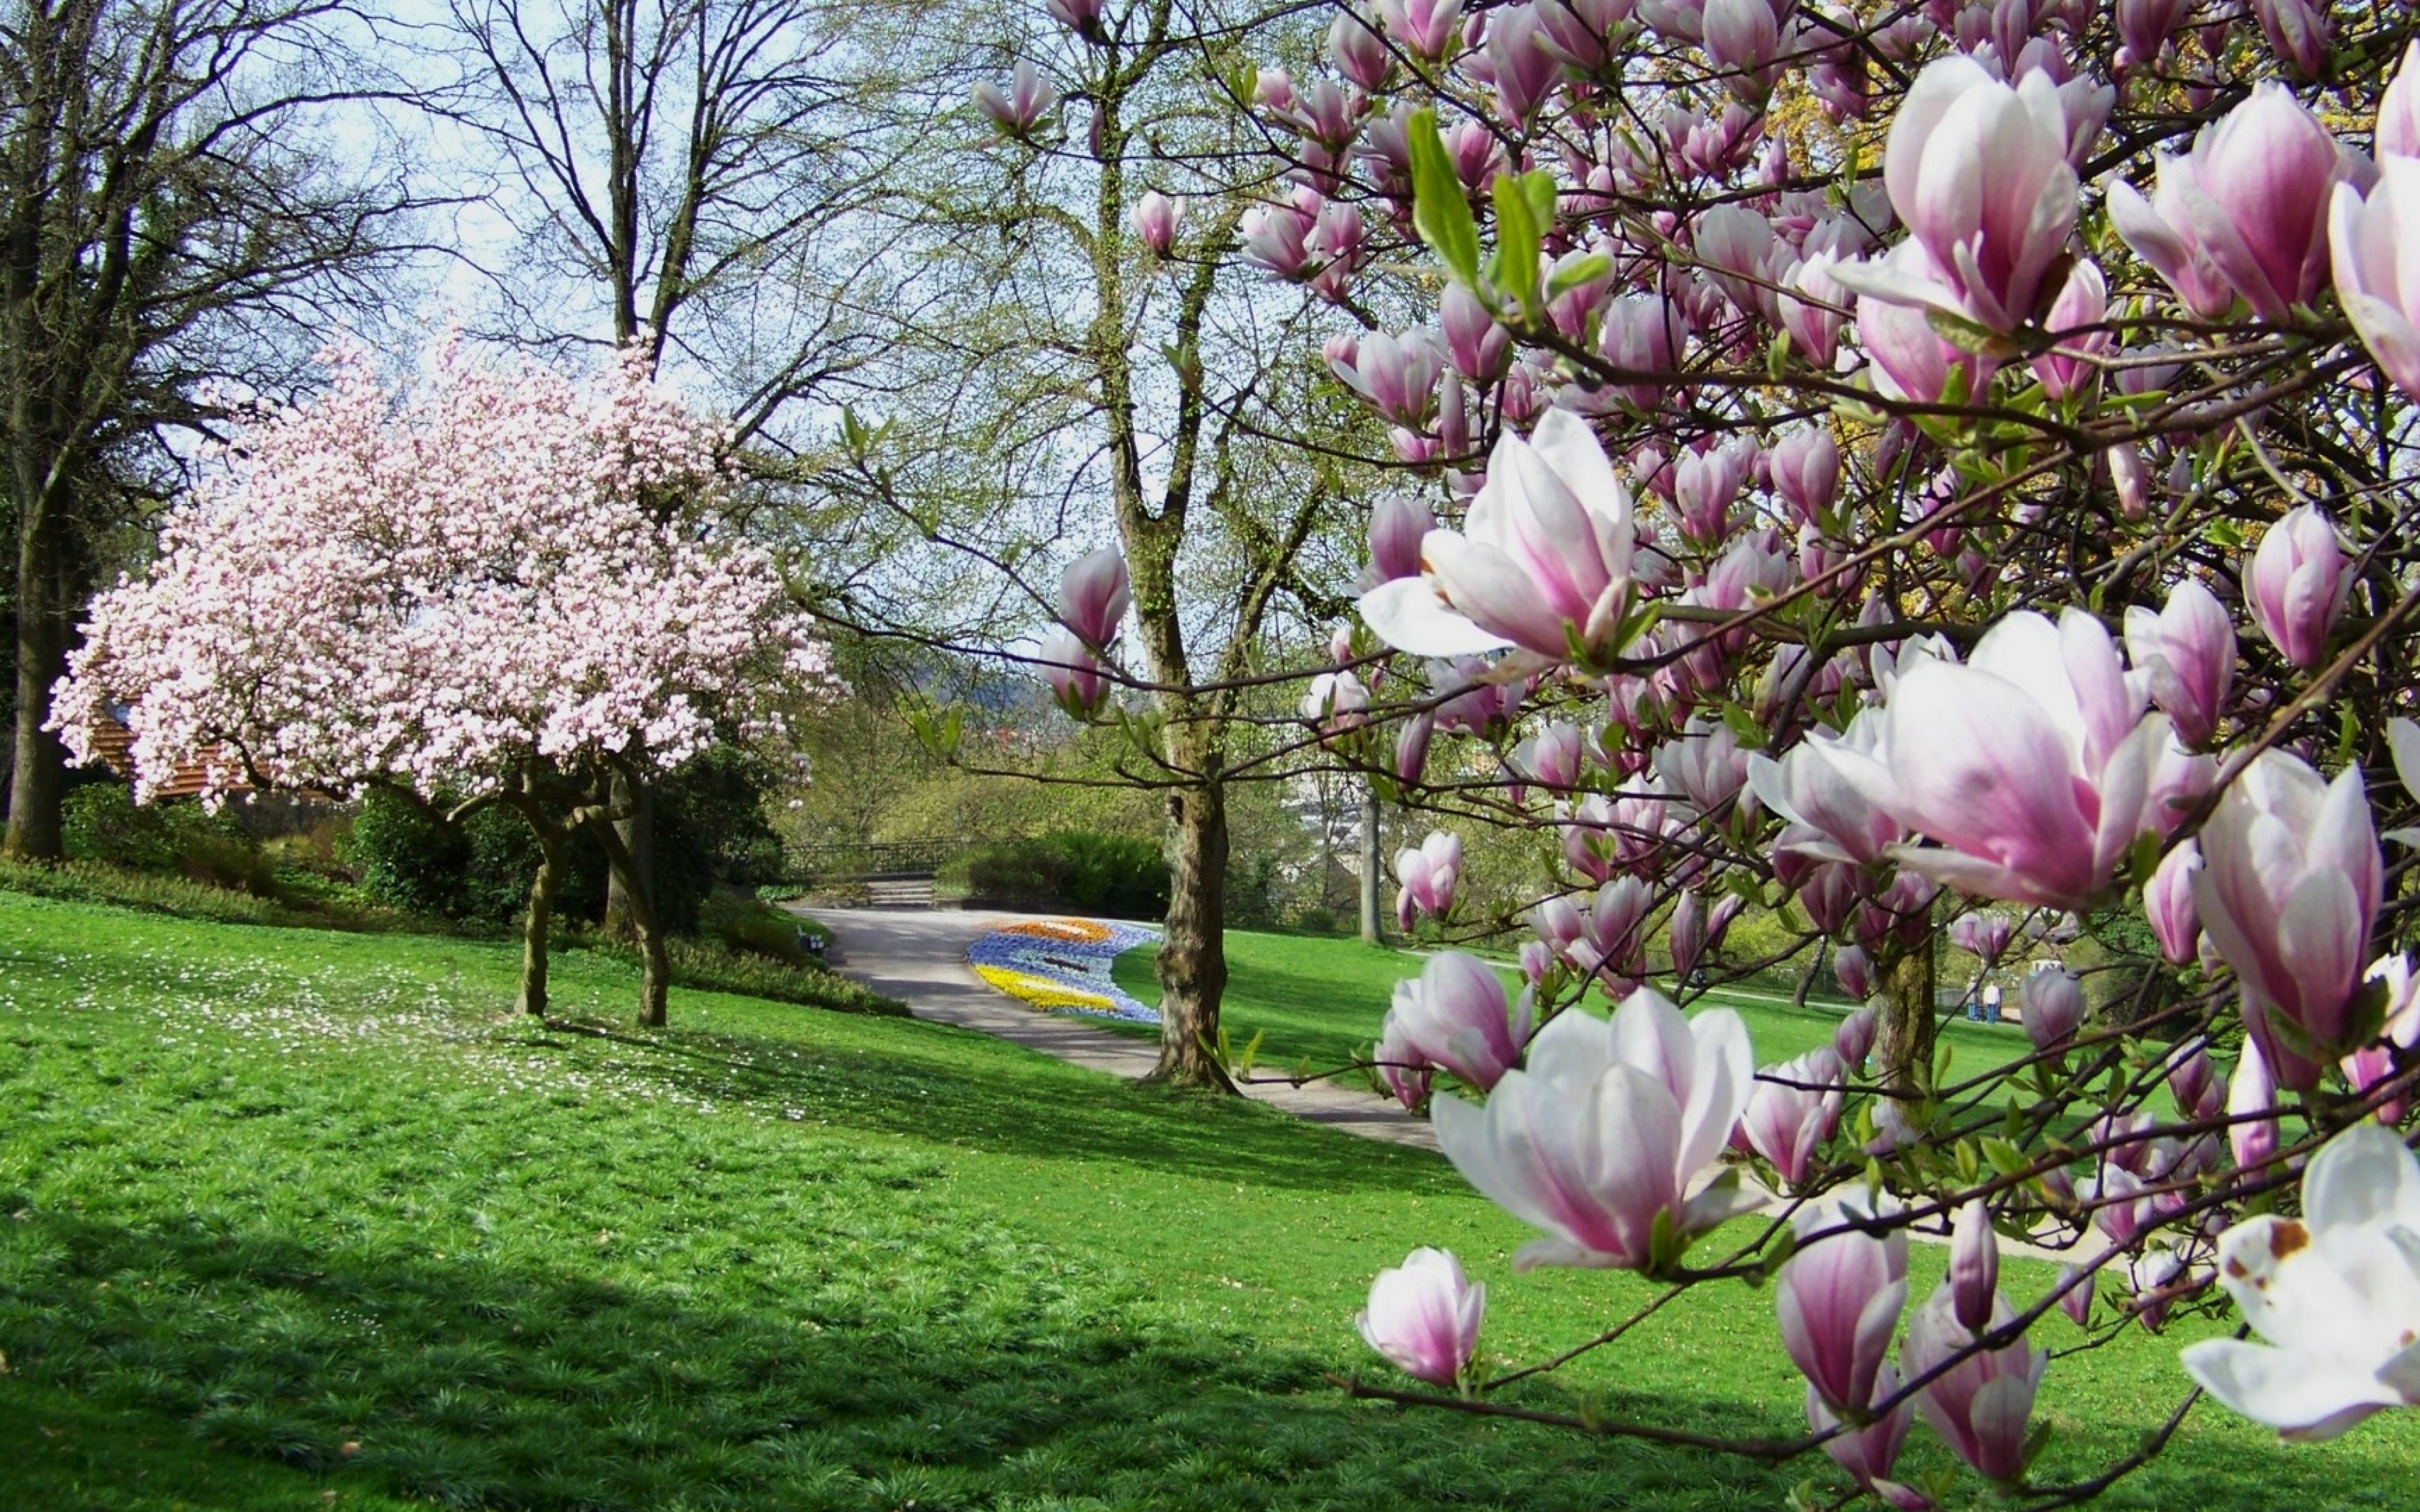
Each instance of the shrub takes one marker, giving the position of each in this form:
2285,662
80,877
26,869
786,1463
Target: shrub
741,922
1117,875
102,823
478,870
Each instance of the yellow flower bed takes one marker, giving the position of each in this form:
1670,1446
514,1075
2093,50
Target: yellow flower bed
1039,990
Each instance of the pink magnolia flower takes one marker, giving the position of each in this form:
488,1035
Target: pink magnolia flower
2398,111
1074,675
1837,1300
2187,651
1794,1108
1397,525
2075,1294
1977,172
2335,1294
2251,1107
1974,1265
2051,1003
1359,51
1021,108
2377,1062
1979,1405
2075,325
1156,219
2030,765
2290,886
1854,971
1424,1316
1428,876
1983,935
1543,562
1453,1014
2369,240
1082,17
1401,1065
2296,585
1396,375
2169,904
2146,26
2246,213
1604,1131
1479,344
1336,702
1553,758
2194,1083
1428,29
1854,1041
1805,787
2297,32
1806,470
1093,596
1412,748
1869,1452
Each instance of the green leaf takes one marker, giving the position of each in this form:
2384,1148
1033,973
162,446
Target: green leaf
1514,267
1572,272
2006,1158
1963,333
1785,1243
1440,211
1251,1052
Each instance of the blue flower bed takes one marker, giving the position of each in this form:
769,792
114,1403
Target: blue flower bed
1062,965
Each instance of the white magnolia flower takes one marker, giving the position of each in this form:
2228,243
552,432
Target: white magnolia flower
2337,1294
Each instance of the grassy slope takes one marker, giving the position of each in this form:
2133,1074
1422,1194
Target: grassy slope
1323,999
266,1193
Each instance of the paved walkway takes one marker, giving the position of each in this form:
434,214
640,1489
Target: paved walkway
919,956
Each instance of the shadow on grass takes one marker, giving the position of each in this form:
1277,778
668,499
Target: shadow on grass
469,1382
964,1089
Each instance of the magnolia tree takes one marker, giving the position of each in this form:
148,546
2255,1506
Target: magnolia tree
1935,474
499,585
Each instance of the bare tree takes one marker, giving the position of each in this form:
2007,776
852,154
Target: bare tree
188,190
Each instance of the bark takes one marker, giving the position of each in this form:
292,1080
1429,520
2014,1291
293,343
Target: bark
1192,959
655,967
541,914
637,801
38,773
1372,932
1903,1037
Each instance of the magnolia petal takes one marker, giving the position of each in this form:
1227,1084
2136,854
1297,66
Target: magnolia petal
1409,615
2363,1176
2302,1396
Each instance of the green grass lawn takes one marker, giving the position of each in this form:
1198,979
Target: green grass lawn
293,1219
1322,1000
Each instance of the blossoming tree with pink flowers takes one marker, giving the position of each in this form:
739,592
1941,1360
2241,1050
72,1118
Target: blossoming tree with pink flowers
1887,466
497,584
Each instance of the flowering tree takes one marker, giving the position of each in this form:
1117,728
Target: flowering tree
501,586
1093,337
1929,472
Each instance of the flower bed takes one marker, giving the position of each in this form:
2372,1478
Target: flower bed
1062,965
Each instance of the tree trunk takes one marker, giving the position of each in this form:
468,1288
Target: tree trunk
38,772
655,967
1371,930
1192,959
541,914
638,832
1903,1037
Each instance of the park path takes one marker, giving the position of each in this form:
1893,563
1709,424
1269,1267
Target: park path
919,956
